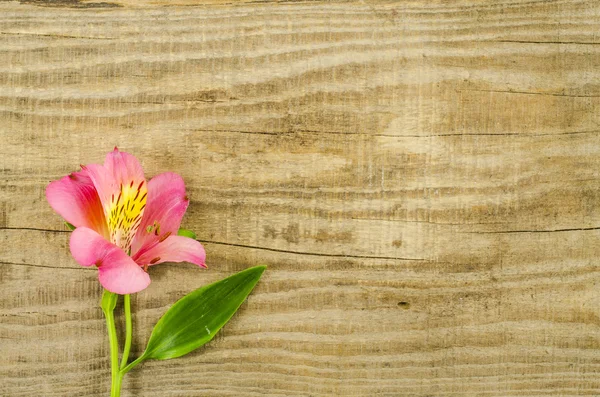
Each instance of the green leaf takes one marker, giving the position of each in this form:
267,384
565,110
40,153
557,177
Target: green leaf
109,301
186,233
196,318
69,226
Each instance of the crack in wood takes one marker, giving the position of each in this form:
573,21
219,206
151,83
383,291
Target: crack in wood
252,247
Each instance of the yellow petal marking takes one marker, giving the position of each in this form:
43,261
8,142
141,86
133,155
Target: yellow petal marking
125,213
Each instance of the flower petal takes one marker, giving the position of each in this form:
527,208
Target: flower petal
165,208
124,167
75,198
120,170
118,272
173,249
104,182
122,189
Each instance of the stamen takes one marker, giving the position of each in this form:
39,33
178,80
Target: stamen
164,237
153,261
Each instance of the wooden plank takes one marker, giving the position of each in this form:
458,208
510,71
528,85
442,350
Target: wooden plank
420,178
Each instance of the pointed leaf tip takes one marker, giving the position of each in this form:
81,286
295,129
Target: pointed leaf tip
197,317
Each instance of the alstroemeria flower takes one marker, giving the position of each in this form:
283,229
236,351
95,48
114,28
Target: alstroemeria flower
123,223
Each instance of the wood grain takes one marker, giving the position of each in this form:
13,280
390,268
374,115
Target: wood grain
421,178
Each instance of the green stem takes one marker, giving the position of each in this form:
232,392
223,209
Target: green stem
132,364
108,303
128,330
116,385
114,350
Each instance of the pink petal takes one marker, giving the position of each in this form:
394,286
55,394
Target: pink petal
165,208
124,167
103,182
173,249
119,171
75,198
118,272
122,189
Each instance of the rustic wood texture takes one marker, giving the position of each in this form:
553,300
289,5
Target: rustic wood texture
421,178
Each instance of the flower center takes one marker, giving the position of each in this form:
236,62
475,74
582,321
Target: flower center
125,213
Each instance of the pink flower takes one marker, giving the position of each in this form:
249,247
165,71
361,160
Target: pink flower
123,223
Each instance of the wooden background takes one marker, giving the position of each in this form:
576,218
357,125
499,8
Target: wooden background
421,178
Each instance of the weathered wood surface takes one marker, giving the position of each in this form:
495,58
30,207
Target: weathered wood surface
421,178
